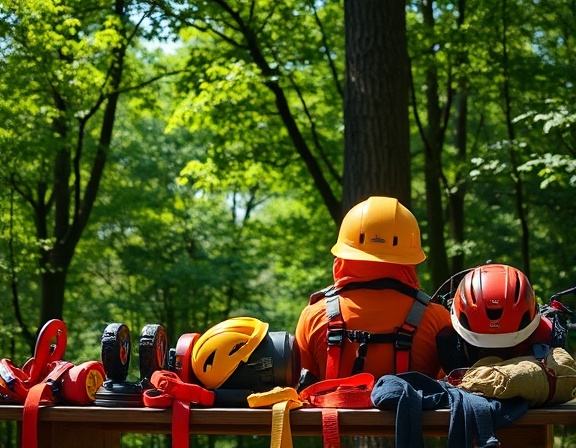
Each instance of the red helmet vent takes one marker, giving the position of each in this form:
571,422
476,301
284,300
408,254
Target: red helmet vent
494,314
518,286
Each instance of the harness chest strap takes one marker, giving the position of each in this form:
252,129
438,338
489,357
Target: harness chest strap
334,337
405,333
402,338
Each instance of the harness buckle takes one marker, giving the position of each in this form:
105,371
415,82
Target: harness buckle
404,336
335,336
55,387
362,337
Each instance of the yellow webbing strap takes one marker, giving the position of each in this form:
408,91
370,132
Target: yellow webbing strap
282,400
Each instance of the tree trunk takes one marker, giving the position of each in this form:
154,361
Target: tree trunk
71,217
458,192
433,143
53,287
513,150
456,196
377,152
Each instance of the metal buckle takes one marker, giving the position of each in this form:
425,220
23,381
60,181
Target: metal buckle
404,339
335,337
359,336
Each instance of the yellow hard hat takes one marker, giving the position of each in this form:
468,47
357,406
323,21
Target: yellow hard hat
220,350
380,229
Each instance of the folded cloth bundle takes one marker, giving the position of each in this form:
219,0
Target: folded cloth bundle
551,380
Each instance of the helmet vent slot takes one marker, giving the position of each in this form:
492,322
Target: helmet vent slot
494,314
464,321
525,321
209,361
236,348
362,238
395,241
517,288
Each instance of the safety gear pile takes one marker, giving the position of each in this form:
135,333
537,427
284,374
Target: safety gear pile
223,367
241,363
47,379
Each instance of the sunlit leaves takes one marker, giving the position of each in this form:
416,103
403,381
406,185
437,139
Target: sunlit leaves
553,168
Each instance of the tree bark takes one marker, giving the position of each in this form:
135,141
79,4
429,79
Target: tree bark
71,217
458,192
513,150
377,151
433,143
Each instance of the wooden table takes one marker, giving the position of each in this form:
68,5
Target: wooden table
93,426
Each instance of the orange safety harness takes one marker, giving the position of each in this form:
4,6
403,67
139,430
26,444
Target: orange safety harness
401,338
47,379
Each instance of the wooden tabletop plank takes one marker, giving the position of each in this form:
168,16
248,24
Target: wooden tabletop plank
254,418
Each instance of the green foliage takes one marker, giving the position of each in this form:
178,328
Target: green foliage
205,209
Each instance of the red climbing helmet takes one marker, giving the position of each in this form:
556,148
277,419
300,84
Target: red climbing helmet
495,307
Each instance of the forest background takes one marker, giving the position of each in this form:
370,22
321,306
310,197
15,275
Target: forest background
182,162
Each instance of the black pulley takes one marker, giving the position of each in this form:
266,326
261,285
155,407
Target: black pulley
153,350
116,391
116,347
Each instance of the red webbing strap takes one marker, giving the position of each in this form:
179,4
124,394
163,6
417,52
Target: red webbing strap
36,394
334,336
550,377
352,392
171,391
402,361
180,424
171,387
330,431
30,418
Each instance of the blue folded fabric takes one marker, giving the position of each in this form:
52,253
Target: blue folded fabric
473,419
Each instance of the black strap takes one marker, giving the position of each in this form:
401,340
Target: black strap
387,283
